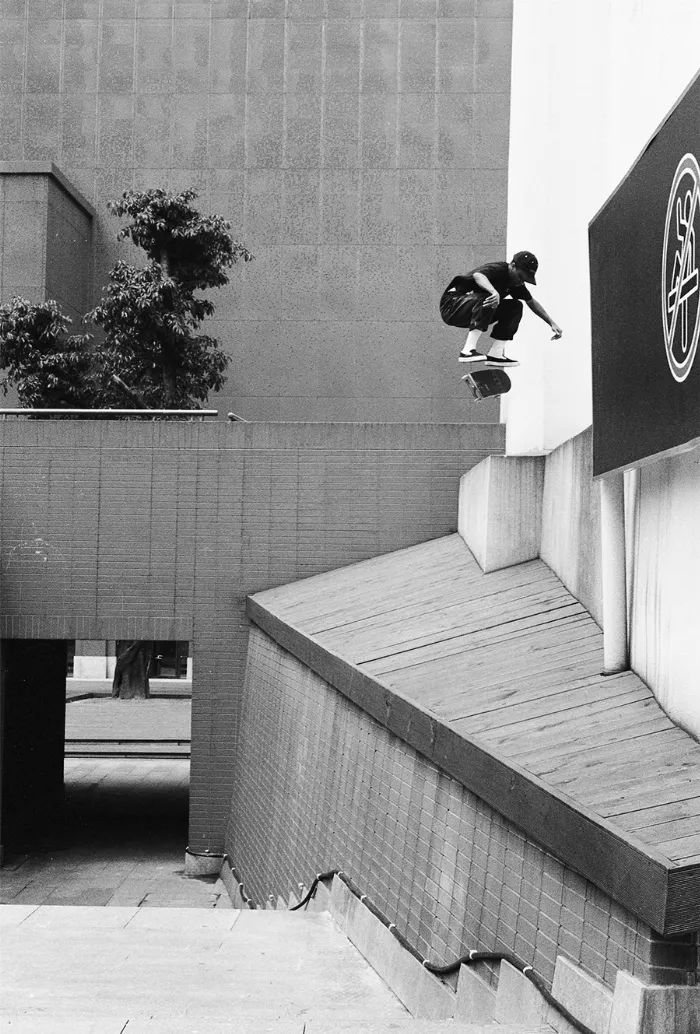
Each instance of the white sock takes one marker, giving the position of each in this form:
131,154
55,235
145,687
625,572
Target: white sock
498,349
472,341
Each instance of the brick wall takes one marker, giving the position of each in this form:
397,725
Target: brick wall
159,530
320,785
359,148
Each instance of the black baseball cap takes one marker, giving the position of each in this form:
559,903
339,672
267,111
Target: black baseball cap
527,264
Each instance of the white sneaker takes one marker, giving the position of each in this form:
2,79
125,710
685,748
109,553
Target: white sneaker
472,357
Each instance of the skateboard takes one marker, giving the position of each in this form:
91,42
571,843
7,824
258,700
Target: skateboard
487,384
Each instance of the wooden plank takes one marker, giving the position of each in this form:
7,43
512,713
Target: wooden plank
384,594
401,645
585,767
587,722
681,849
652,815
493,653
672,830
562,701
671,774
382,633
305,600
563,752
452,684
454,699
425,571
515,693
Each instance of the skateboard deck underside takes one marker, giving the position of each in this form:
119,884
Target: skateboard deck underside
485,384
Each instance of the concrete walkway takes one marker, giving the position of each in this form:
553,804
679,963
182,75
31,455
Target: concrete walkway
128,726
77,689
152,971
166,954
123,842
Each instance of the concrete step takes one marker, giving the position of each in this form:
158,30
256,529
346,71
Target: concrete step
242,1025
91,970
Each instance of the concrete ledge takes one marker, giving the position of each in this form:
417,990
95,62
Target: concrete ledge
653,1009
50,170
585,998
231,884
518,1000
424,995
500,510
476,1000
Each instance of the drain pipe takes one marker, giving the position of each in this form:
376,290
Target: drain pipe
612,527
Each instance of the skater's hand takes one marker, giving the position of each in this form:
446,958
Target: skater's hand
492,301
557,332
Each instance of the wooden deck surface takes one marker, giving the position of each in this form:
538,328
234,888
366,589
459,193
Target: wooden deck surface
513,661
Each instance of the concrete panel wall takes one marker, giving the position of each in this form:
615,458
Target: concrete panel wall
321,786
571,521
160,530
23,214
68,253
46,238
665,583
359,148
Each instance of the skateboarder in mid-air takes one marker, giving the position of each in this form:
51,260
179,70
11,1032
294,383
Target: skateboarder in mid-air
488,302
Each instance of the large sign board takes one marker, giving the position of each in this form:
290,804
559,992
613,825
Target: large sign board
645,300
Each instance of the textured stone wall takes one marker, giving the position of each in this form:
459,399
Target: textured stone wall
359,148
159,530
320,785
23,204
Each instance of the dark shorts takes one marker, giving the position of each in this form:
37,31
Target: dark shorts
467,311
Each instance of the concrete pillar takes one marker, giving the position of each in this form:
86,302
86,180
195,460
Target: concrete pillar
612,524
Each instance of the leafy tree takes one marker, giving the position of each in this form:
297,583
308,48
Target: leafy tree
151,315
51,368
151,355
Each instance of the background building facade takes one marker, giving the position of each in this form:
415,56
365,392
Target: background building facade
358,147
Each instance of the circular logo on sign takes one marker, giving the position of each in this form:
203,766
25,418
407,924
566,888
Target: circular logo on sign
680,287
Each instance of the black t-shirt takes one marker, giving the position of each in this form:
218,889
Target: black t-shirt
497,274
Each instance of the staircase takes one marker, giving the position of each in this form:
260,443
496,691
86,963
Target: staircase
82,970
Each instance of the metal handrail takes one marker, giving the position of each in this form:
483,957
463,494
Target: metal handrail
104,414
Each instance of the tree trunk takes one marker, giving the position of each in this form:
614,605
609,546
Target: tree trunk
169,371
169,379
131,671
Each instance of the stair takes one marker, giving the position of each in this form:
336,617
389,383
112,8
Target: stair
101,970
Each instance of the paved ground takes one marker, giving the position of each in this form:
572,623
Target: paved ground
118,970
77,688
128,719
101,725
123,842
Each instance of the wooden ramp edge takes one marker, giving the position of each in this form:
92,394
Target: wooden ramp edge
390,633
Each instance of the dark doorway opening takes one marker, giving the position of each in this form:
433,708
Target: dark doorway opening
94,800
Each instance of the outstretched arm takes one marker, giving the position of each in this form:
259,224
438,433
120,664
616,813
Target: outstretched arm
485,284
535,306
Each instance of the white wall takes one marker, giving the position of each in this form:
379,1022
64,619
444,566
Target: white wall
591,83
664,564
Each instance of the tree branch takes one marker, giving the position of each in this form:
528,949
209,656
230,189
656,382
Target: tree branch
129,392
